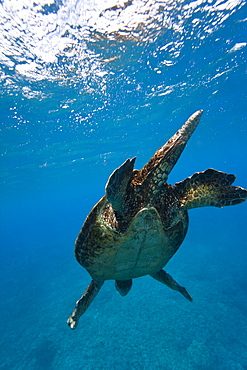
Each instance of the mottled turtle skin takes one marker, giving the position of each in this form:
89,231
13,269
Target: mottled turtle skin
141,221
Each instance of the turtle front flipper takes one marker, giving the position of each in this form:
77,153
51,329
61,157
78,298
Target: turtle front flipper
167,279
83,303
209,188
118,182
156,171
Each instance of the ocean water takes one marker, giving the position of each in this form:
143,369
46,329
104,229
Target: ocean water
84,85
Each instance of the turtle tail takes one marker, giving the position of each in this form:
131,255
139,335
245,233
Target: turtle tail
209,188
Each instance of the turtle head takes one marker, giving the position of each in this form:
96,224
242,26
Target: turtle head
118,182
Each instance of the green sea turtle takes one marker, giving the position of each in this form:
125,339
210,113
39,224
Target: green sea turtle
141,221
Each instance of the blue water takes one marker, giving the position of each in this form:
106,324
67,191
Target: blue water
83,86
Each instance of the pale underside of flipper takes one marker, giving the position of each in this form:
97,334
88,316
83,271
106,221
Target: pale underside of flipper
209,188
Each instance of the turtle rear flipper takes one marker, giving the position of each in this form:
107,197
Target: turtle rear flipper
84,302
166,279
209,188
